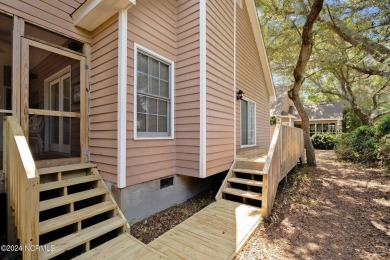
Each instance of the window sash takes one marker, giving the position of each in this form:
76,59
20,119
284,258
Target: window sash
248,127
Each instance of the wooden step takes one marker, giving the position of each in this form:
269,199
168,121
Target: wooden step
64,200
246,182
249,171
68,182
103,247
243,193
65,168
74,217
75,239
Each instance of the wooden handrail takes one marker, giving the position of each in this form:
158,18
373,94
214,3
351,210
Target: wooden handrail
22,183
285,151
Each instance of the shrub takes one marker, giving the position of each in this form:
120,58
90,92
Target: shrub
272,120
324,141
382,128
359,145
383,147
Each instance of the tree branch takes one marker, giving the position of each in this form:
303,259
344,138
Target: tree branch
369,71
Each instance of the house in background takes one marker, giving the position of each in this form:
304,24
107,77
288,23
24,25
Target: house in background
282,107
323,118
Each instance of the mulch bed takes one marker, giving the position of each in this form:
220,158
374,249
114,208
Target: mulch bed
154,226
337,210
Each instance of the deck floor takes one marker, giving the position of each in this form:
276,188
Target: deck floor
252,154
218,231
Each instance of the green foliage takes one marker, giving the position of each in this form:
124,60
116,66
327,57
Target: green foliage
359,145
350,120
383,126
383,147
272,120
324,141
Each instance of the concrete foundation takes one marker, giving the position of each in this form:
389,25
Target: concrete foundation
142,200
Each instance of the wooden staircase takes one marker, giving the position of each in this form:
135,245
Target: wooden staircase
244,183
76,211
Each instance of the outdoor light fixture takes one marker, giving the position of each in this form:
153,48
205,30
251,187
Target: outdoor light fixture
240,94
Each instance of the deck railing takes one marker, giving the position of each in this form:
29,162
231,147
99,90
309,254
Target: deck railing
285,151
22,189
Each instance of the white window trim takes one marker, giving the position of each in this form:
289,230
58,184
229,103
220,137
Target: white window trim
171,89
248,145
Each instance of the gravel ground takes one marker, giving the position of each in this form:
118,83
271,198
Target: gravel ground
337,210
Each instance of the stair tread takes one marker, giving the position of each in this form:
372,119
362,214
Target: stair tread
243,193
249,171
68,182
64,200
74,217
64,168
75,239
246,181
102,247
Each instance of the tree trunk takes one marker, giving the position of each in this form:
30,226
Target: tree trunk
304,56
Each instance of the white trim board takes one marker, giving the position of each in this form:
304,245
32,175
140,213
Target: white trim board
171,89
202,90
235,78
122,98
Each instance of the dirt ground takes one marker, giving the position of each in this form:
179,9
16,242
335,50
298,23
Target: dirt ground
338,210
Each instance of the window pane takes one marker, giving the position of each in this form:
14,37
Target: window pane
54,129
162,107
164,71
142,63
66,137
162,124
152,106
142,83
141,122
66,83
319,128
325,128
244,122
312,128
164,88
152,123
155,65
55,97
154,89
141,104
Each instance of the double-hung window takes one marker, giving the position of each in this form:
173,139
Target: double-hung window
154,97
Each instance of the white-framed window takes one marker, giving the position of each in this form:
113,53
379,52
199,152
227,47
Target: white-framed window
319,128
153,95
248,123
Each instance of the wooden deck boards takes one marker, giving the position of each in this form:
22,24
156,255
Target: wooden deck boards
253,155
219,231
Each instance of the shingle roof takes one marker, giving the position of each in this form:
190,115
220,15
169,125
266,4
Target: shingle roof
277,105
323,111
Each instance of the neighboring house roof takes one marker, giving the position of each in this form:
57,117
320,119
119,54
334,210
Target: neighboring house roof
282,105
323,111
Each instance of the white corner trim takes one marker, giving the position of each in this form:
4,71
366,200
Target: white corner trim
202,90
234,77
171,89
252,11
122,98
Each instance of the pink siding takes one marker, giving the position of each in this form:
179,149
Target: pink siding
151,24
187,88
220,85
104,98
51,14
250,79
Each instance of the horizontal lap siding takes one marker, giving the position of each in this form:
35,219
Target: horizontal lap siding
151,24
250,79
52,14
220,85
187,89
104,98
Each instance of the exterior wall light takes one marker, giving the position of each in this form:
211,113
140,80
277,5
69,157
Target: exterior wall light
240,94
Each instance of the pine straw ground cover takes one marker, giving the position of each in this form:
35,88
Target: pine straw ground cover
154,226
338,210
